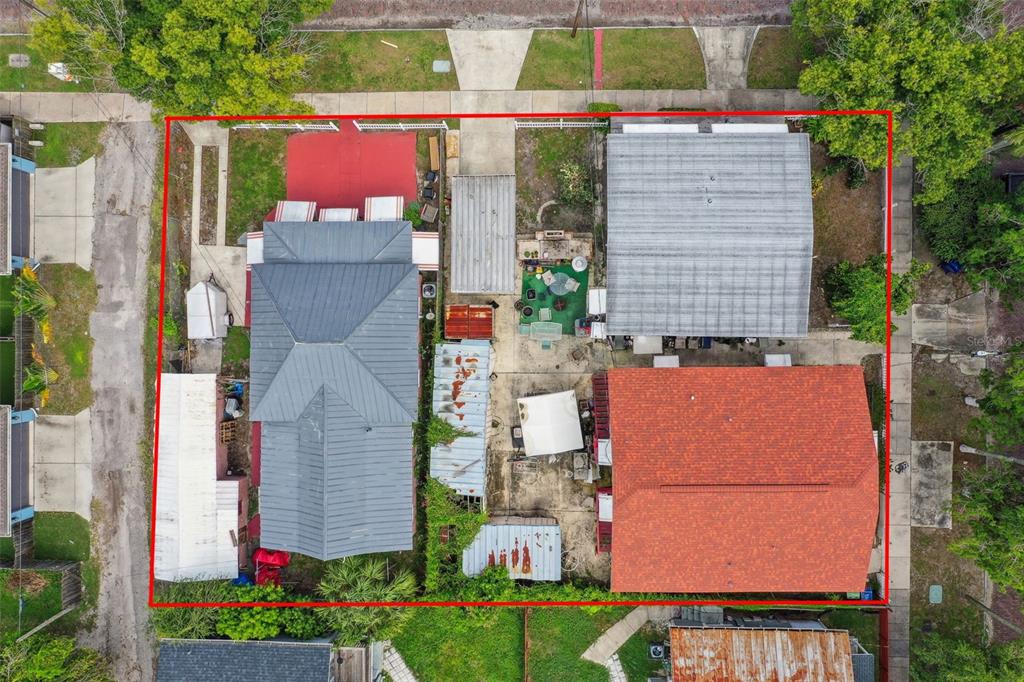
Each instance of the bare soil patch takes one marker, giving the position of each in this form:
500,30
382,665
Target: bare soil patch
539,155
847,226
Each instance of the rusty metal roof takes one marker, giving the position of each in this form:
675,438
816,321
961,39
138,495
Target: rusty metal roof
531,548
723,654
461,387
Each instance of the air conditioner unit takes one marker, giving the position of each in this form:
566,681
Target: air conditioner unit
554,234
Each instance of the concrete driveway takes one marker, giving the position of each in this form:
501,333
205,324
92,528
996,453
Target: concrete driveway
62,468
62,205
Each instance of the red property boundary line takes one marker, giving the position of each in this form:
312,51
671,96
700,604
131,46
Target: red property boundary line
168,121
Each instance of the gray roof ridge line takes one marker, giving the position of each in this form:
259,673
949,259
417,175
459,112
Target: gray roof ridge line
281,240
386,296
401,230
355,356
291,333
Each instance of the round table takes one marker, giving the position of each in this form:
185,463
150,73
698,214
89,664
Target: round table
558,286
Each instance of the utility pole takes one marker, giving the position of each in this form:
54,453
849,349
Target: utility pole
576,21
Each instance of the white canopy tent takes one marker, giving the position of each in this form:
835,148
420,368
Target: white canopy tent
551,423
207,308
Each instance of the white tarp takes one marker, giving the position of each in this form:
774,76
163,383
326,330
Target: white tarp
339,215
426,250
604,451
206,305
660,128
551,423
604,507
383,208
597,301
294,211
647,345
749,128
778,360
195,513
666,360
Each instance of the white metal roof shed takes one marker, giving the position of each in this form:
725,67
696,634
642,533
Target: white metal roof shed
195,513
551,423
206,305
530,548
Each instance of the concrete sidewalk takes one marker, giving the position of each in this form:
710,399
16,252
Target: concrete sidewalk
602,650
488,60
74,107
725,51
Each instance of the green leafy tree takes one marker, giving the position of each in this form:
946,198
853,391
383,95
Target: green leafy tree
991,505
1002,408
951,225
950,75
997,257
43,658
365,579
937,659
858,295
188,57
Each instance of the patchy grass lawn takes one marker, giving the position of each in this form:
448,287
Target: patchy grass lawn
61,536
236,346
33,78
41,600
557,61
68,144
69,351
539,155
652,59
256,178
938,403
635,657
362,62
558,635
776,59
847,226
442,644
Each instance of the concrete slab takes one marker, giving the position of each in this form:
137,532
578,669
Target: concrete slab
207,356
545,101
381,103
899,541
89,109
931,484
488,146
437,103
899,508
409,102
352,103
899,573
62,470
725,50
488,60
55,192
325,102
54,239
63,205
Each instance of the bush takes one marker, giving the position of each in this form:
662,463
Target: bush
185,622
950,225
259,622
1002,408
440,432
302,623
856,173
858,295
574,185
412,214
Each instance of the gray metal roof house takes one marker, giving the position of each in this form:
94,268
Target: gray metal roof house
709,234
483,234
334,382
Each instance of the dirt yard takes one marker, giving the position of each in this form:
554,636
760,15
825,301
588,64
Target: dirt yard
539,155
847,226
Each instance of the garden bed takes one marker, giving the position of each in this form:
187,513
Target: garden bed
208,196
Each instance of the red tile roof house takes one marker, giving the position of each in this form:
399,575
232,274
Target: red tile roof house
742,479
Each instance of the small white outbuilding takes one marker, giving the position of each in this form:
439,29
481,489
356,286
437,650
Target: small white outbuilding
207,308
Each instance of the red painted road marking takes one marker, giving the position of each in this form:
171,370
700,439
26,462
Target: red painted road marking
598,58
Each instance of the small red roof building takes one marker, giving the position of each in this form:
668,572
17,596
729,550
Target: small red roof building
742,479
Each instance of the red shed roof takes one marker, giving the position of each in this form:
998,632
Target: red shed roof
468,321
742,479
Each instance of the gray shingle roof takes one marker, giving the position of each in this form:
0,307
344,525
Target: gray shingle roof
483,234
334,379
191,660
709,234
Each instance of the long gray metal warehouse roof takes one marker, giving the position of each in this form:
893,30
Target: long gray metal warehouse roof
334,380
709,234
483,234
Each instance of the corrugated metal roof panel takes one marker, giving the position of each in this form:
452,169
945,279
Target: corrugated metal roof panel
531,549
338,242
760,655
461,388
5,471
468,321
709,234
483,234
